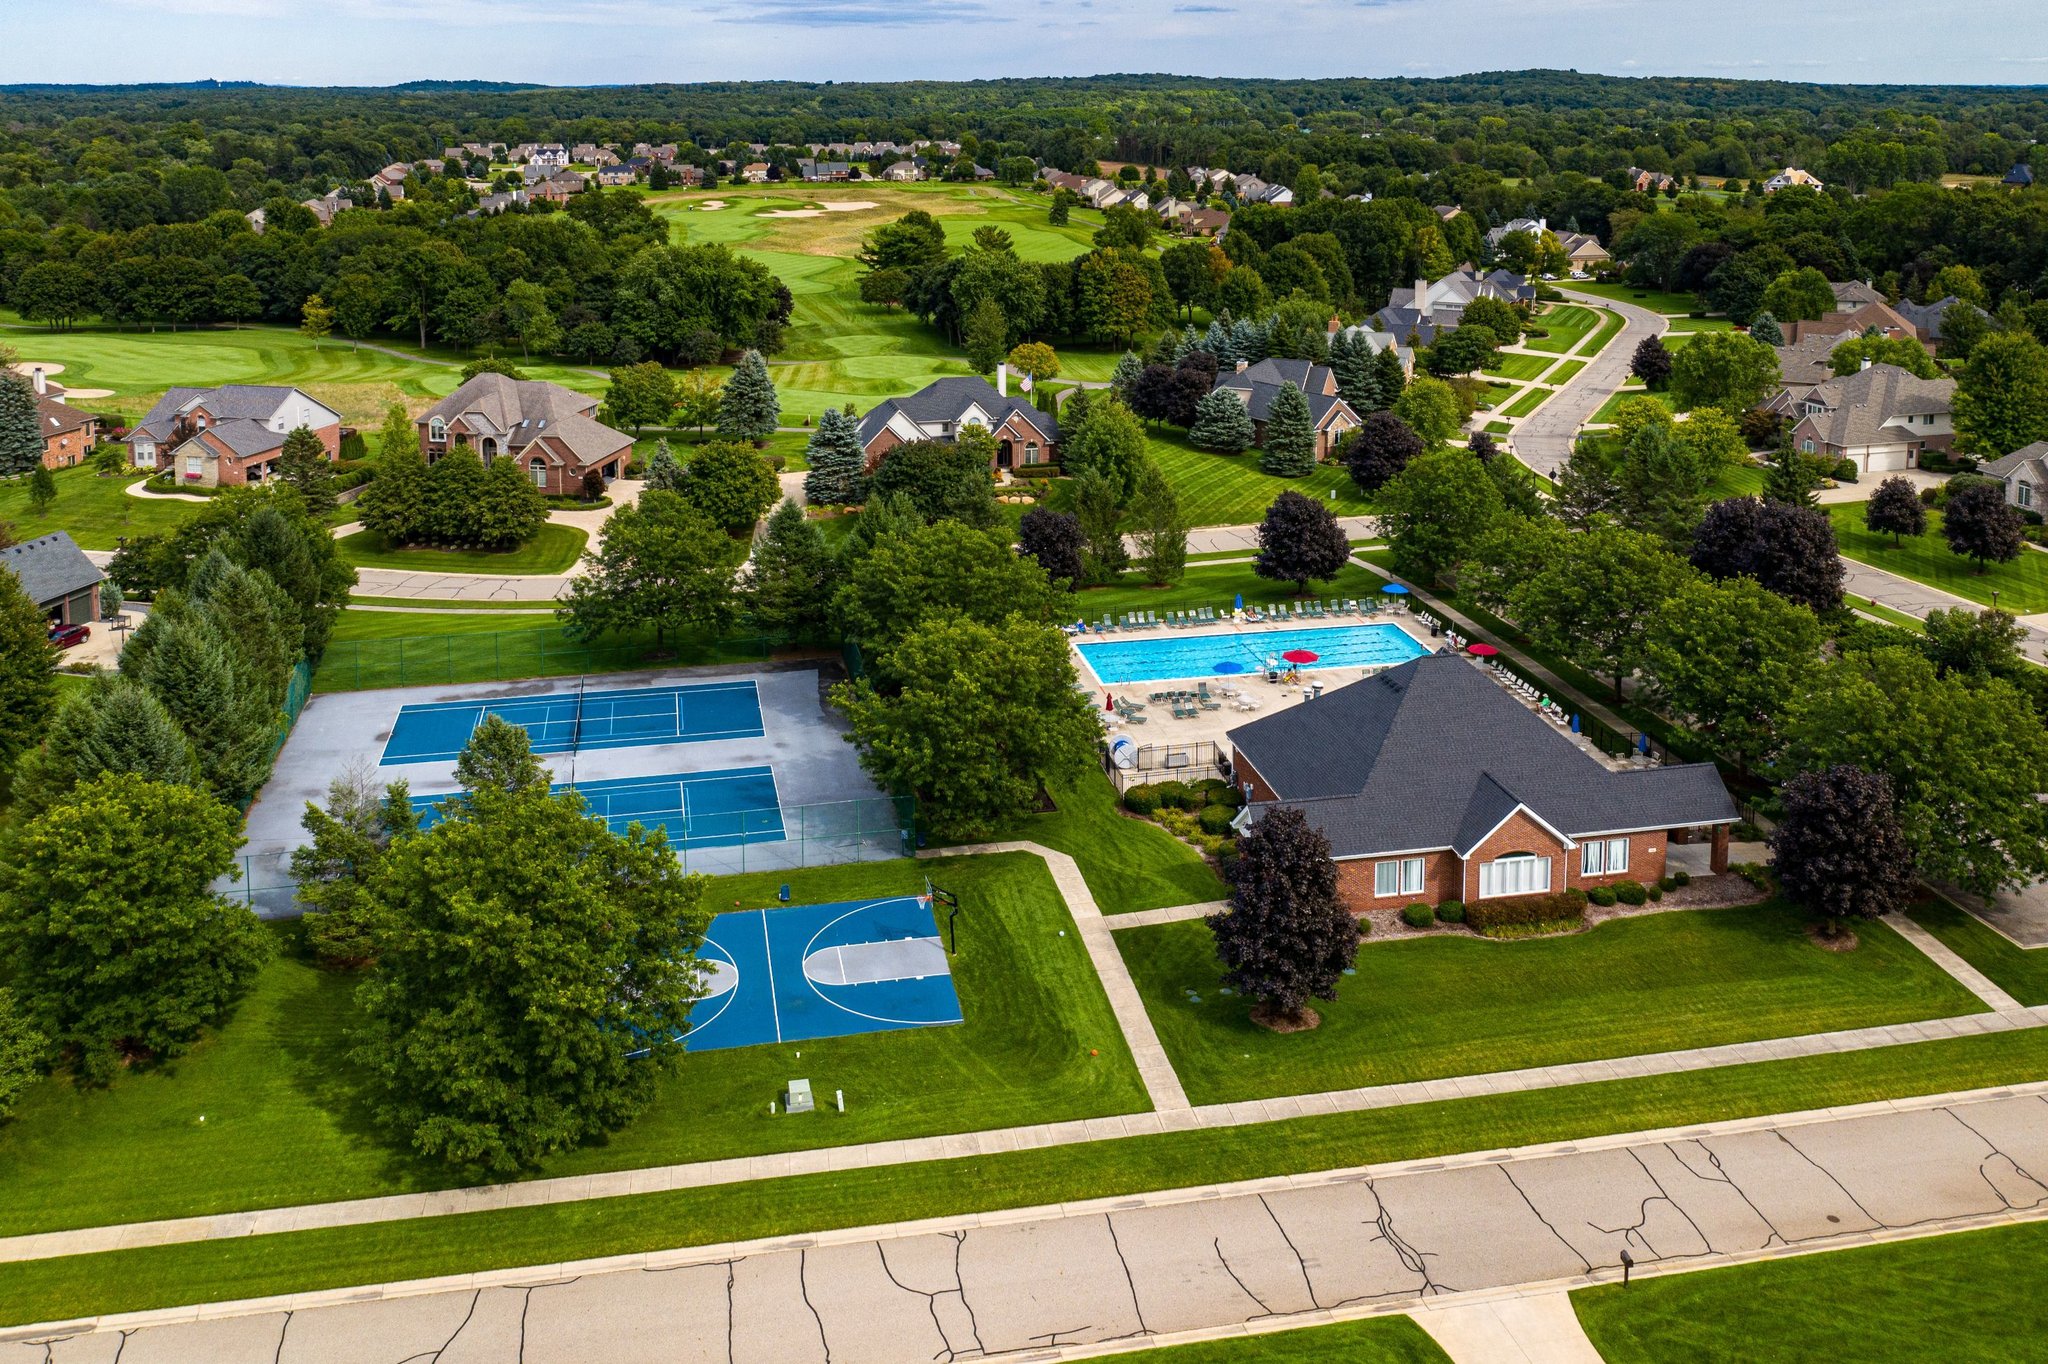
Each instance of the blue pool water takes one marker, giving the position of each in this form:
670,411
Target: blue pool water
1172,656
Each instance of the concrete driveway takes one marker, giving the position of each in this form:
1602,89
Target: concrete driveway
1543,440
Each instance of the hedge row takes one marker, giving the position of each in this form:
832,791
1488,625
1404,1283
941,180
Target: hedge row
1561,907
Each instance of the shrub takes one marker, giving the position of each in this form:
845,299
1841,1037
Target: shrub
1142,800
1418,915
1178,795
1757,874
1602,896
1667,883
635,468
1845,471
1655,893
1630,892
1215,819
1216,791
1565,906
1745,832
1451,912
1036,471
1681,878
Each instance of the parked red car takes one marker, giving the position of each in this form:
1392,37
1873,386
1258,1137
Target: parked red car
70,636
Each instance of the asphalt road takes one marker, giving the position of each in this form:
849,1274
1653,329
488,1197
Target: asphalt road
1070,1281
1544,440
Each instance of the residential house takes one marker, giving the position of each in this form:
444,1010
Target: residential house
1417,314
2021,176
613,176
1257,385
57,577
258,220
755,172
532,173
227,436
553,156
1851,294
1584,251
1882,417
327,205
1446,212
1880,317
942,409
807,169
558,188
1802,367
2025,475
492,204
662,151
1534,227
590,154
902,171
1927,317
1648,181
1433,783
1790,177
1376,341
552,431
69,434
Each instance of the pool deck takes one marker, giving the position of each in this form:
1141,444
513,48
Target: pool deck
1250,695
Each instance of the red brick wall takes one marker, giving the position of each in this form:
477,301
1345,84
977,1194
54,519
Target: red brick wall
1242,771
885,440
1646,853
1355,878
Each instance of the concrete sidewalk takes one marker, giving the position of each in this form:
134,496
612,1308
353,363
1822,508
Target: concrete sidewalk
1543,439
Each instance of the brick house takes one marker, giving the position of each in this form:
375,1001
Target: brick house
234,434
1882,417
941,409
1434,784
57,577
1257,385
69,435
552,431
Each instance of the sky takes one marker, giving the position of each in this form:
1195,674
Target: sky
596,42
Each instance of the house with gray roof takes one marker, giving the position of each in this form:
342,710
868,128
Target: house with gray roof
230,435
1418,314
1433,783
2024,473
1882,417
945,407
1928,316
1256,386
57,577
552,431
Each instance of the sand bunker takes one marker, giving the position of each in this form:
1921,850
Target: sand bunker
836,206
76,393
28,367
711,205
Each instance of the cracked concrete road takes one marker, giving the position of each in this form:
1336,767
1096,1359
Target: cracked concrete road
1544,440
1070,1280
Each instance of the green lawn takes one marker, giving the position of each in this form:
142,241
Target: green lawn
253,1266
791,445
96,511
1964,1298
1373,1340
1566,323
1564,372
1498,428
554,550
1885,613
1655,300
1737,480
1610,326
2022,585
1686,326
1229,490
285,1121
451,605
1428,1007
1606,412
1128,863
1218,586
1519,366
2021,972
1528,402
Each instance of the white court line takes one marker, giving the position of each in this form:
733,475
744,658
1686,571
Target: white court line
768,949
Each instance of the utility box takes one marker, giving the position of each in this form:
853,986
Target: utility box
798,1098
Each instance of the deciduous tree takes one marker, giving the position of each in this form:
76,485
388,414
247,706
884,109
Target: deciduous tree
1160,528
942,567
1979,524
1895,509
1651,363
659,561
1838,848
1055,540
28,672
332,871
2001,401
731,484
1724,370
1300,541
640,396
1434,510
1286,938
1726,657
1789,549
1430,407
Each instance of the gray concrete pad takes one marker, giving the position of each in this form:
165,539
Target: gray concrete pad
495,1329
101,1348
334,1335
1904,1168
677,1317
229,1340
1788,1191
1474,1228
1339,1239
1048,1283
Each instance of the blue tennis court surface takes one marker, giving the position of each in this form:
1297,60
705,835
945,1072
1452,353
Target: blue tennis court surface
560,721
809,971
699,809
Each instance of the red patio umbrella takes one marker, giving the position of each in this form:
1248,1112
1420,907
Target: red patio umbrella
1301,655
1481,650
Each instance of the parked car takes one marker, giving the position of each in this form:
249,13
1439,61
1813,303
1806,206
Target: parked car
70,636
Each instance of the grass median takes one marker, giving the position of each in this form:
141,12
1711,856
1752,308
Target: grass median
132,1280
553,549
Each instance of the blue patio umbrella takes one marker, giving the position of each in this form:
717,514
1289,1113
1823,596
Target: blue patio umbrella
1395,590
1575,722
1643,740
1240,602
1228,665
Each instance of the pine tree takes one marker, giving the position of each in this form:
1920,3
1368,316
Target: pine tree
1221,423
664,474
1289,450
1763,327
748,409
509,508
395,503
303,465
838,463
1216,341
21,436
1790,477
789,593
28,671
1392,377
987,338
1188,342
1358,384
190,672
262,634
1128,369
116,726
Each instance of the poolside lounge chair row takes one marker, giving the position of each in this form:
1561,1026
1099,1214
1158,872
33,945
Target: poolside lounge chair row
1286,612
1313,610
1528,691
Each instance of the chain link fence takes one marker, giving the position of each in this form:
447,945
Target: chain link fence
514,655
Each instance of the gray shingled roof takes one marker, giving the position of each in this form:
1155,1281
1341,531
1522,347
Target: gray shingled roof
944,400
525,410
246,437
2033,459
229,402
54,418
1433,754
1261,383
1859,404
1927,316
50,567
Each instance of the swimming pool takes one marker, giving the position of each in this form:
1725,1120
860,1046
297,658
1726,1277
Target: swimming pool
1169,656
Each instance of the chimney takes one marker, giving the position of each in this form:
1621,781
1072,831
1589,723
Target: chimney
1422,299
1336,324
1002,381
1866,362
42,383
1241,365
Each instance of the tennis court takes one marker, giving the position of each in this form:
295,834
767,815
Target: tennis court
565,722
800,972
699,809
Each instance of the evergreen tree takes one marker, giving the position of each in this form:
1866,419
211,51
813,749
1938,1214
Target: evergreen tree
348,840
303,465
509,509
664,474
1351,361
254,620
1128,370
1247,342
395,503
21,434
28,671
1097,508
455,485
1216,341
116,726
838,463
1286,937
190,671
42,489
1187,343
987,338
749,409
1392,377
1791,477
1161,529
1289,450
1763,327
789,593
1222,423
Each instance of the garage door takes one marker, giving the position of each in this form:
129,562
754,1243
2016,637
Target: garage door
1888,461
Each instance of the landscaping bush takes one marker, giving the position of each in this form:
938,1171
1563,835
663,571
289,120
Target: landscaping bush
1142,800
1418,915
1667,883
1559,907
1036,471
1178,795
1602,896
1215,819
1757,874
635,468
1845,471
1630,892
1451,912
1745,832
1216,791
353,473
1655,893
1681,878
